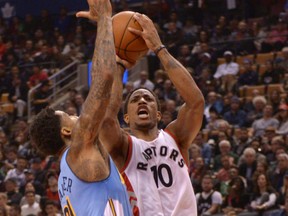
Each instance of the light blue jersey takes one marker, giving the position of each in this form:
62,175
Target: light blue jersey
79,198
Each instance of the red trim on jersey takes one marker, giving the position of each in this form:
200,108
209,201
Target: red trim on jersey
131,194
177,143
128,156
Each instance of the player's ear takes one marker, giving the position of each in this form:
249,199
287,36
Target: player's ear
65,131
126,119
159,116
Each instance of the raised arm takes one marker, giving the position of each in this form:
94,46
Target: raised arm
190,115
103,66
117,145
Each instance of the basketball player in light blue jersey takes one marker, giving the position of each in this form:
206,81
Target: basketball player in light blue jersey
89,183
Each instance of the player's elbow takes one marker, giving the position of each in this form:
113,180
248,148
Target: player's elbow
198,102
108,75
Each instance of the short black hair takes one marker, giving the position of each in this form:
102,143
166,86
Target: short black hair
129,95
45,132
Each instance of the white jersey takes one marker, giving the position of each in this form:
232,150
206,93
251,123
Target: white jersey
157,178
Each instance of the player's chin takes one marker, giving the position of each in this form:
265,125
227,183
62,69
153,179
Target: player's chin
145,124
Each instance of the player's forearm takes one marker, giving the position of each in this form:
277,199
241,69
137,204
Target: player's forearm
103,67
116,94
103,61
181,79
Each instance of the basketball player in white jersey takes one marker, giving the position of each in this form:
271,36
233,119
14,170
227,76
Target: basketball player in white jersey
154,162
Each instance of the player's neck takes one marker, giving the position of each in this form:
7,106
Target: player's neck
147,135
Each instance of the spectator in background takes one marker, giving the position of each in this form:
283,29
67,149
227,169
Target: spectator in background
249,76
52,187
284,62
41,97
169,91
15,210
143,81
18,173
3,202
256,110
129,86
276,38
32,207
215,119
218,39
275,100
212,101
235,116
190,30
205,63
37,77
283,120
173,37
259,33
259,126
173,18
11,189
264,197
197,173
208,201
165,120
18,96
276,176
223,175
242,141
226,72
184,56
29,187
240,39
79,100
225,149
206,149
270,75
51,208
71,110
236,200
43,57
248,167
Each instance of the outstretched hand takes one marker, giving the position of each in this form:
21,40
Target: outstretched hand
149,33
127,64
97,8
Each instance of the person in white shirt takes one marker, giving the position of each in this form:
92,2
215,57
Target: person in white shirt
226,72
227,68
209,200
32,207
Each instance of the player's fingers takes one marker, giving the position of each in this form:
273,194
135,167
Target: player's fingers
83,14
135,31
139,18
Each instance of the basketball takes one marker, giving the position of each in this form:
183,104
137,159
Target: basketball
129,47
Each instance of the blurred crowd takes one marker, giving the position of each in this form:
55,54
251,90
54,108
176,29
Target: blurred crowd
238,161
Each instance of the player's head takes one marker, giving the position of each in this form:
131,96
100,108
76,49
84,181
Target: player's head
50,130
142,109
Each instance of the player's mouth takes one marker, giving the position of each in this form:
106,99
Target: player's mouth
143,113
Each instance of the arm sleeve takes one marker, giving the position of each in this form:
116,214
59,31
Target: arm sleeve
216,198
272,200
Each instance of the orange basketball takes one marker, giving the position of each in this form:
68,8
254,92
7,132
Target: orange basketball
129,46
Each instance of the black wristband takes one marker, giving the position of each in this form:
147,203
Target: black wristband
159,49
121,65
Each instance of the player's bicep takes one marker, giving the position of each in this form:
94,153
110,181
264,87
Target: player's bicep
114,139
187,124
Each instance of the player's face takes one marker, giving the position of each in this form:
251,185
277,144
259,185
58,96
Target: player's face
142,110
67,120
